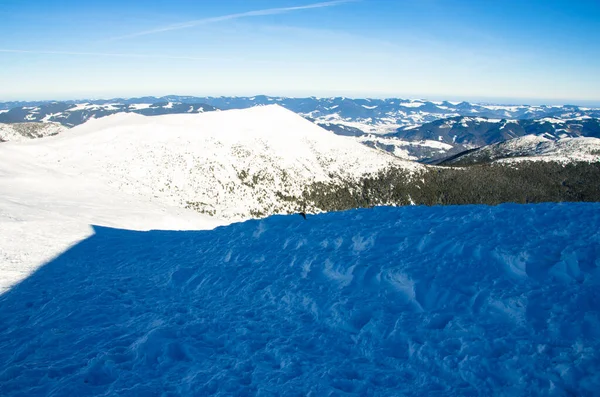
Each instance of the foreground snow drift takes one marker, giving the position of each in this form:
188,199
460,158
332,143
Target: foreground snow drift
418,301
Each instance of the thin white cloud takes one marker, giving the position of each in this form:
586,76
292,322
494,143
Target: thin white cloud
249,14
108,54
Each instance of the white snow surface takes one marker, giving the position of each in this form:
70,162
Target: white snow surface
400,146
381,302
20,132
411,104
552,120
80,106
137,172
140,106
368,126
44,209
47,118
90,106
431,144
230,164
388,123
485,120
539,148
503,107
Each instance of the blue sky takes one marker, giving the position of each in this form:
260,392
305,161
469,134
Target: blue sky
508,51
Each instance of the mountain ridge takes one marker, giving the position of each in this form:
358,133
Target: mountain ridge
411,129
531,148
232,164
404,111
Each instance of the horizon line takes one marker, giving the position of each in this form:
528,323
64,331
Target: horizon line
506,101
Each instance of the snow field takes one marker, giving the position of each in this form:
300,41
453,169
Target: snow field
468,300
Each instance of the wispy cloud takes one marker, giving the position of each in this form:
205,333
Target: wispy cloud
108,54
249,14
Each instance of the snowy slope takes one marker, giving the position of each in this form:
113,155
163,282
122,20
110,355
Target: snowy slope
232,164
384,302
44,210
564,150
19,132
137,172
534,148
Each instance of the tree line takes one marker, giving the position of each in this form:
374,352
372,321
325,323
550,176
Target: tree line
491,184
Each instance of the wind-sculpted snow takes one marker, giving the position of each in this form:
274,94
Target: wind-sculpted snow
467,300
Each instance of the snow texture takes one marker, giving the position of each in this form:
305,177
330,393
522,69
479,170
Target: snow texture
381,302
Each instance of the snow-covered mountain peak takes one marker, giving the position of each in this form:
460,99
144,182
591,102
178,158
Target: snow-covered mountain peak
271,122
139,172
232,164
271,130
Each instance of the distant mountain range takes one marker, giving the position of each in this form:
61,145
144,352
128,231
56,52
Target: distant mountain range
411,129
458,134
368,115
72,114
